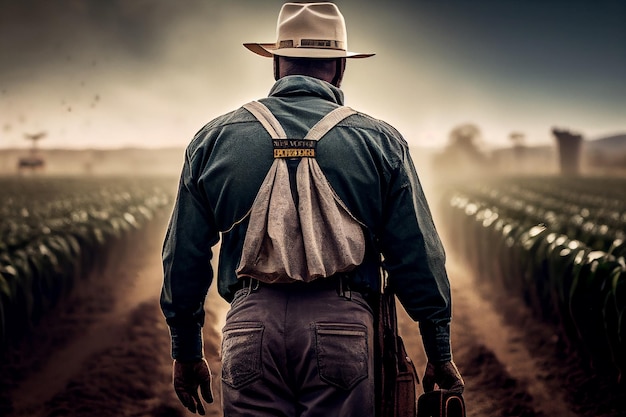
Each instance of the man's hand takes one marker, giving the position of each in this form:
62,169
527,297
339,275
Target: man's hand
445,375
188,377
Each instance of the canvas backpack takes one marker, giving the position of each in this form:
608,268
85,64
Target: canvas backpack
299,229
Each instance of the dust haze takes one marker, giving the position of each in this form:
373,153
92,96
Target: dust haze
150,73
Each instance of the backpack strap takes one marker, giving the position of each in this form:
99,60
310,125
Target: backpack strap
276,131
328,122
266,118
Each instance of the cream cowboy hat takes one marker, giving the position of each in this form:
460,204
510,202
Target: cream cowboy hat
308,30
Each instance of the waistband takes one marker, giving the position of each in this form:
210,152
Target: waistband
340,282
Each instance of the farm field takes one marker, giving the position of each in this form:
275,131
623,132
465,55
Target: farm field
102,348
557,247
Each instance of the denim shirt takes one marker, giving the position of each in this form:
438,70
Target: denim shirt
367,163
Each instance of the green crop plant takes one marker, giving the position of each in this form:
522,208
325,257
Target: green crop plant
556,243
55,231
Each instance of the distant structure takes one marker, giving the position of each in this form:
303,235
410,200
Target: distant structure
33,162
569,146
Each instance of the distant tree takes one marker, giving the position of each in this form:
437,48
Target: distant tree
33,162
463,151
518,139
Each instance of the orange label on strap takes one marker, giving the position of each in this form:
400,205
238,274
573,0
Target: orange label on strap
294,148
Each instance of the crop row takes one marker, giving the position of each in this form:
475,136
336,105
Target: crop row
591,210
56,231
557,244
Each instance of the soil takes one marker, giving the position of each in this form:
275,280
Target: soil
105,351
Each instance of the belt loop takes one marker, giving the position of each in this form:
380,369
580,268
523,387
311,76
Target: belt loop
343,288
340,286
252,284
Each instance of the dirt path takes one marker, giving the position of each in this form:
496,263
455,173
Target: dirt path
484,342
106,351
138,287
108,332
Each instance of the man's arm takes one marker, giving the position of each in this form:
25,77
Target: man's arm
415,262
186,264
415,259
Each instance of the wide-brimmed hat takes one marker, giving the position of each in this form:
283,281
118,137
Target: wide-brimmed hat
308,30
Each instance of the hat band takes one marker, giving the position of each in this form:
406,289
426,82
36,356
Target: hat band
312,43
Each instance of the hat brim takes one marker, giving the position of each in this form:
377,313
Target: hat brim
269,50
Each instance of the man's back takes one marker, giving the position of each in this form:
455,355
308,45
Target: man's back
233,153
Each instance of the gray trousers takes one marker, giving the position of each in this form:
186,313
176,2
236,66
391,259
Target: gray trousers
298,350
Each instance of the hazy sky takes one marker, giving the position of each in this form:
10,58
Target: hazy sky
111,73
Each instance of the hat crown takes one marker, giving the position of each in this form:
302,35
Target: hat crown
318,25
308,30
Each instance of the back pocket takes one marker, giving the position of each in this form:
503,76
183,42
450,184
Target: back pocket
342,353
241,353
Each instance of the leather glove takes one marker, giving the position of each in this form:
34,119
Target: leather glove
188,377
445,375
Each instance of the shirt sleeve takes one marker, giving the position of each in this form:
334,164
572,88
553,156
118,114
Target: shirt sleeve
414,259
187,271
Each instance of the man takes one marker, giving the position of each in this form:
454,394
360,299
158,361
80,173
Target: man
306,196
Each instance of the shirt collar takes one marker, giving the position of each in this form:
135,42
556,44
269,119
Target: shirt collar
301,85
